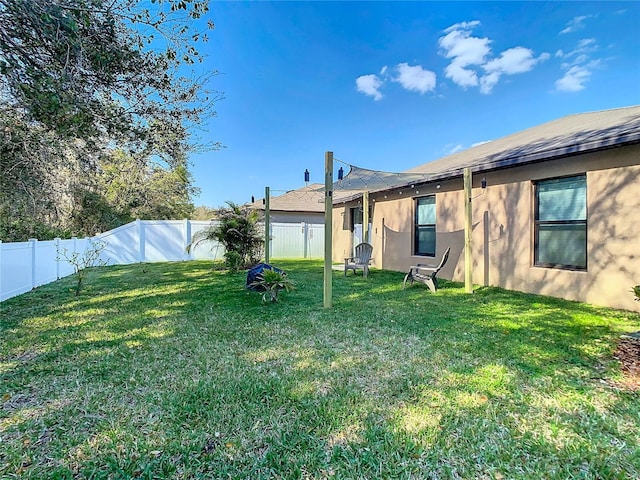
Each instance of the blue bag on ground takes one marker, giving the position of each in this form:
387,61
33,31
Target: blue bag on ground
255,271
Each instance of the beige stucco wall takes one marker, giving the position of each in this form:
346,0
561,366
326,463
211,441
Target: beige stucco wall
503,229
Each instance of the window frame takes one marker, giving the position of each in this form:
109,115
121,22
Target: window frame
416,227
537,223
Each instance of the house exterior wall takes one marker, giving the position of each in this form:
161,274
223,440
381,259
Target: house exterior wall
296,217
503,221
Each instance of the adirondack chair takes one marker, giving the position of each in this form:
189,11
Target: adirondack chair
426,274
360,261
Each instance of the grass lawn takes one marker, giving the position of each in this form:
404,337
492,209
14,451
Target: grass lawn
176,371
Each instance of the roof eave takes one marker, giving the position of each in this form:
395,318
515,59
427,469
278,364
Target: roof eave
500,163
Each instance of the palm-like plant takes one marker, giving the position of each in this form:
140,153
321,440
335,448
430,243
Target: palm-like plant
272,282
239,232
636,292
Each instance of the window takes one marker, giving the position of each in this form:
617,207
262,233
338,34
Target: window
357,219
425,227
561,223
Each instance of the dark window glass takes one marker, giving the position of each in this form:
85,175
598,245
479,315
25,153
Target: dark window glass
425,226
561,223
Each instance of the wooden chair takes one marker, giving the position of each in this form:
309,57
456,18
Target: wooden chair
360,261
426,274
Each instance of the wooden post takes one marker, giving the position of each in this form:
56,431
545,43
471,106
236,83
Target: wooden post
468,225
267,225
328,229
365,217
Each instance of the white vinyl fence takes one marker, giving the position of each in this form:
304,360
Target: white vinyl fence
26,265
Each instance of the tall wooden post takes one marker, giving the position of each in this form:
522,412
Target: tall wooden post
267,225
328,229
365,217
468,225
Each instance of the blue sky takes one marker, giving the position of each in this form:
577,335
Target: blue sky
390,85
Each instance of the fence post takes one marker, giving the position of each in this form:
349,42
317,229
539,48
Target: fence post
187,240
33,262
141,241
305,239
75,246
56,242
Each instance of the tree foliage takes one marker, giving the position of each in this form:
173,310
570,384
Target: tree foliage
84,84
90,68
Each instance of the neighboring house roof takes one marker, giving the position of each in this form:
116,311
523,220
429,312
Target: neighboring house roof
570,135
308,199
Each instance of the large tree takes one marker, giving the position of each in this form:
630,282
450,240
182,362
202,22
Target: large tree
89,68
79,78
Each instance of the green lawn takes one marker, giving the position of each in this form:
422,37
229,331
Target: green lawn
176,371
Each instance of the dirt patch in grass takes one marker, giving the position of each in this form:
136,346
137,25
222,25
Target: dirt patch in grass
628,354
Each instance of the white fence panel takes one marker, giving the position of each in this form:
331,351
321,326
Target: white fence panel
208,249
164,241
315,240
287,240
66,247
26,265
16,275
123,244
300,240
46,268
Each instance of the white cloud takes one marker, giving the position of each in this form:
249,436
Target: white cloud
383,70
573,79
514,60
370,85
477,144
575,24
511,61
471,64
465,51
462,26
415,78
585,46
460,75
578,65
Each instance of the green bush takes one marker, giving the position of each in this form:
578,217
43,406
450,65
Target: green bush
233,260
272,282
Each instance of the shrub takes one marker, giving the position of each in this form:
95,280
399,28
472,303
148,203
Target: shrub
272,282
233,260
82,261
